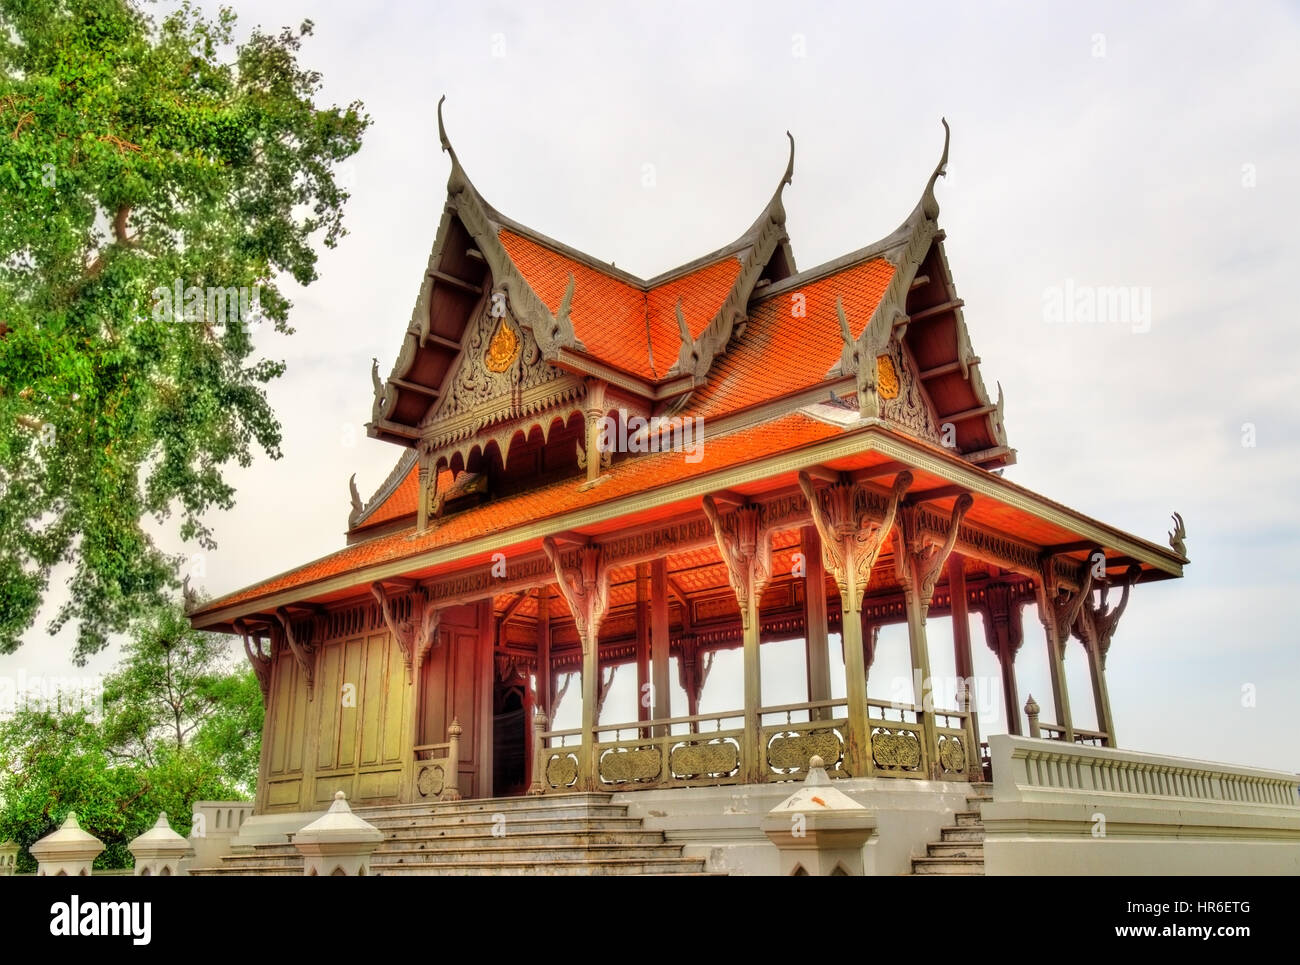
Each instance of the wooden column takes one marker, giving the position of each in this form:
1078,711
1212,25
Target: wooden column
584,584
963,659
745,543
1095,627
816,636
422,507
643,687
660,643
545,677
918,564
689,672
1004,633
852,533
594,411
1058,608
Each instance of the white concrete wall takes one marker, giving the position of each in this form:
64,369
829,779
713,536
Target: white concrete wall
213,825
721,824
1068,810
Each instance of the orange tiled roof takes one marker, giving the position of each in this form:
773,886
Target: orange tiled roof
617,322
402,501
702,293
784,352
634,475
405,499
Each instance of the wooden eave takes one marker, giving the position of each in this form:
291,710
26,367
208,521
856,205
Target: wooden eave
1028,523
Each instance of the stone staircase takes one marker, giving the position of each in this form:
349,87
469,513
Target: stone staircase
960,848
560,834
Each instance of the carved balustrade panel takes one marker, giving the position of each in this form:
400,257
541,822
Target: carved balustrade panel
630,764
788,747
560,768
432,769
706,759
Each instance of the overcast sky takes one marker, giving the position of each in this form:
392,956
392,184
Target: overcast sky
1153,147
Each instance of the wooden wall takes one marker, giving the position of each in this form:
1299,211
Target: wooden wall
354,735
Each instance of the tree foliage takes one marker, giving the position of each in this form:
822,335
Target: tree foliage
139,156
180,724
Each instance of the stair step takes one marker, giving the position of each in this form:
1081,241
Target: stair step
582,866
955,849
948,866
529,855
486,805
441,818
968,819
955,834
486,841
621,825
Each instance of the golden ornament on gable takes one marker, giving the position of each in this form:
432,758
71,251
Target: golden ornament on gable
503,349
886,377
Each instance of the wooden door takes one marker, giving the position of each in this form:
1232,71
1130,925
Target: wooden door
455,684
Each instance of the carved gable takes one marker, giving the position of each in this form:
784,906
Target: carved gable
902,398
499,358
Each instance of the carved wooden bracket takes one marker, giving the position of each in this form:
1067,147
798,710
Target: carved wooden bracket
261,662
303,652
1096,625
1063,605
745,542
510,667
417,634
869,642
585,588
555,700
1002,619
602,689
852,535
919,562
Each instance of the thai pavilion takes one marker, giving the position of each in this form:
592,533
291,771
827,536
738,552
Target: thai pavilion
597,469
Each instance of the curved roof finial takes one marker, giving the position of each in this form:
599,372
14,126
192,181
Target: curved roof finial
775,211
929,204
442,130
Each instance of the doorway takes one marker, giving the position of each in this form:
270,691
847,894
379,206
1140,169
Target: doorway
509,740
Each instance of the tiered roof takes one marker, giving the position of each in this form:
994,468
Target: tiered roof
776,360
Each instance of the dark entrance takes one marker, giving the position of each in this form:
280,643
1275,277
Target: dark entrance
509,740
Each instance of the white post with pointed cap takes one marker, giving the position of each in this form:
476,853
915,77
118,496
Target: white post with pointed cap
9,858
337,843
820,831
68,851
160,851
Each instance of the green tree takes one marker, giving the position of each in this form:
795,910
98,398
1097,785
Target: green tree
180,724
138,155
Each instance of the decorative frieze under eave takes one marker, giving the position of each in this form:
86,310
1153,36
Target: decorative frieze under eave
467,568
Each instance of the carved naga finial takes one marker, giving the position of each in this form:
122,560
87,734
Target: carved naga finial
357,505
376,383
930,204
442,131
1177,535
